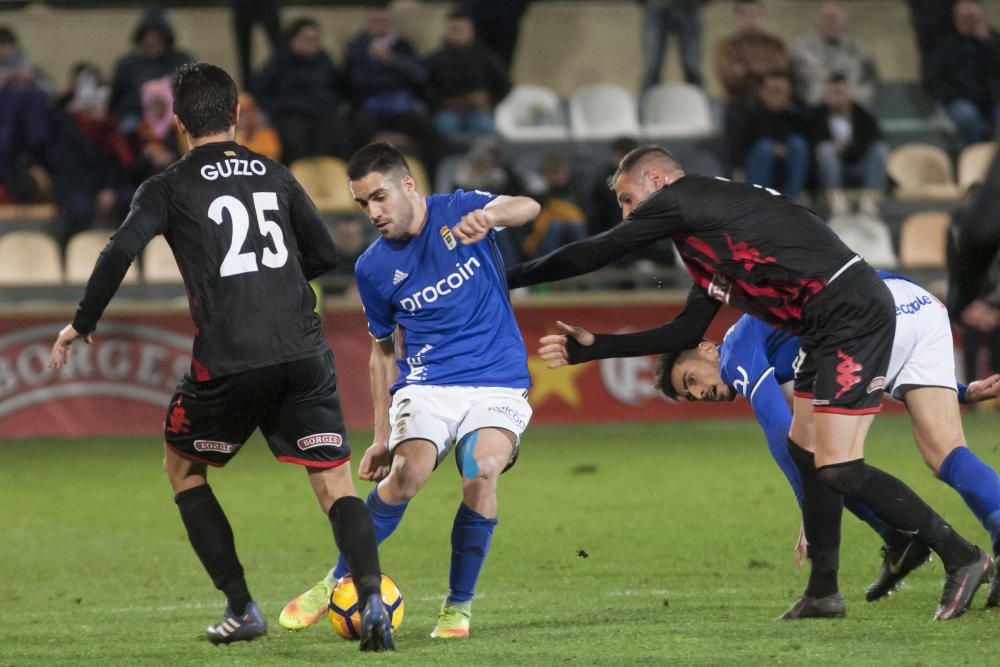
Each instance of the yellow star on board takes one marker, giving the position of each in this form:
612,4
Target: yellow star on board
559,382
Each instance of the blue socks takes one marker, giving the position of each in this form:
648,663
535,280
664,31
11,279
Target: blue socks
979,486
470,542
385,518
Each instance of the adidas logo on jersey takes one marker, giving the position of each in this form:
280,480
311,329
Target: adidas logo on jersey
446,285
399,276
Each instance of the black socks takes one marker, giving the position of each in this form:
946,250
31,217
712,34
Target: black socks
355,536
822,508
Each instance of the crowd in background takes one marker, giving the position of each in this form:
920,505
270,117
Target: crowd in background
796,117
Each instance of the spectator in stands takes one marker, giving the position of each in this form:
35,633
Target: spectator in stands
89,158
24,123
931,21
772,143
254,131
466,80
487,168
965,73
153,57
497,24
350,237
302,91
245,14
156,142
972,338
387,76
561,219
849,148
683,18
748,54
829,49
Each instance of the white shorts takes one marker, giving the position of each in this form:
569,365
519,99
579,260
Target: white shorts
922,351
445,415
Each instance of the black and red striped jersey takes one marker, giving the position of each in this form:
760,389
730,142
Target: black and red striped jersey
246,238
745,245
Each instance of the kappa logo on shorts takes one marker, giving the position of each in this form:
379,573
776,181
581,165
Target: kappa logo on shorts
876,384
847,371
320,440
215,446
179,423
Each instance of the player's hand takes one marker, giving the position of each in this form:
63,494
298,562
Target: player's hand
981,315
983,390
801,547
473,226
375,463
553,347
60,350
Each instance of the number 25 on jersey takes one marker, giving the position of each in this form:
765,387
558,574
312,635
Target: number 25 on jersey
236,262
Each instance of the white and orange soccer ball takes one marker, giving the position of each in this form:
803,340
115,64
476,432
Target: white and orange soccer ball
345,617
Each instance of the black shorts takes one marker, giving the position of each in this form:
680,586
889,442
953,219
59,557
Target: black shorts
295,404
846,339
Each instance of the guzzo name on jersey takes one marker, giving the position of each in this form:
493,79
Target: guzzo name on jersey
233,167
446,285
914,306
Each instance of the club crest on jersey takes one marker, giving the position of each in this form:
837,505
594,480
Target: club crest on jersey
449,238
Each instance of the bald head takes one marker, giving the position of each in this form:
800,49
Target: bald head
641,173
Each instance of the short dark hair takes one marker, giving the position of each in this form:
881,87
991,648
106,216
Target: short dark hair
665,368
636,155
381,157
7,36
205,98
298,25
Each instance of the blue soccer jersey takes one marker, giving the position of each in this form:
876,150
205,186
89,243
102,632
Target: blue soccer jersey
449,302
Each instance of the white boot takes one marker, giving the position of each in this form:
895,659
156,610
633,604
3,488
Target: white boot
869,203
839,206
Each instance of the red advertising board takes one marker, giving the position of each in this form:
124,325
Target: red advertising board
121,383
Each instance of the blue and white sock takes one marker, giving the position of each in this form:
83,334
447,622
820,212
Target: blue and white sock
979,486
385,517
470,542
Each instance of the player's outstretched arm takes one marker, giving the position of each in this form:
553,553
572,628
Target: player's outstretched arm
983,390
684,331
572,259
504,211
374,464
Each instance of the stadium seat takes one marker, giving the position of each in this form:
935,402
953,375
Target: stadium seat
923,239
81,254
973,162
158,264
922,171
325,181
29,258
902,106
531,114
602,112
676,111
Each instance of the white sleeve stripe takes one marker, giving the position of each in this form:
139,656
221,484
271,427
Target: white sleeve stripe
769,371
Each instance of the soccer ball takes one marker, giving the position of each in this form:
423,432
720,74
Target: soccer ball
344,614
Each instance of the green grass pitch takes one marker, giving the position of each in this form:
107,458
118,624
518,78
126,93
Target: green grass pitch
619,544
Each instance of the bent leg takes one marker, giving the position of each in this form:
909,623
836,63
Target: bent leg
937,429
482,455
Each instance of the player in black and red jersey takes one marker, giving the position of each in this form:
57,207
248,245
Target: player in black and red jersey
767,255
247,239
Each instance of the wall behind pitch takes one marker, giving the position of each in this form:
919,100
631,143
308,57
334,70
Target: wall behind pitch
121,384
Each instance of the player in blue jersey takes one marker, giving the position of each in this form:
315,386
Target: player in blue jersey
754,360
433,287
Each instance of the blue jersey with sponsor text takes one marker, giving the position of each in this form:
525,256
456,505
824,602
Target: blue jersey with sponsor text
448,301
